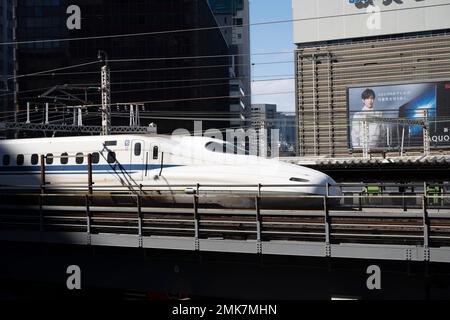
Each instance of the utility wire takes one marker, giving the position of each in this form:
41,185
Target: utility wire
201,57
287,77
34,113
194,99
191,99
145,89
164,69
155,89
51,70
150,89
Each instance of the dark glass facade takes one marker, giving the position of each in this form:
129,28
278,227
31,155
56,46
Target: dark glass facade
6,56
234,15
183,87
226,6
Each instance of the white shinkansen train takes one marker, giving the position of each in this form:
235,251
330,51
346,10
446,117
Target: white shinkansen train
124,163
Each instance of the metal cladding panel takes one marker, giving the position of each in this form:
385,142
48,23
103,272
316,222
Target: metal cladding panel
228,246
326,20
115,240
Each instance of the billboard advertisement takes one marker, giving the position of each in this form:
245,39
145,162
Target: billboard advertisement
324,20
385,117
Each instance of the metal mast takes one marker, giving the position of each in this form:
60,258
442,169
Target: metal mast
15,63
106,94
426,133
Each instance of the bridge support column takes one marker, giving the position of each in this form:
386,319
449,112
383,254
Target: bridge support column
327,223
196,220
426,228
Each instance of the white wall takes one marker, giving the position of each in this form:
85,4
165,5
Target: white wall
418,16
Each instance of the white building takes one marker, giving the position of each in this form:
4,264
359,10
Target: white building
376,44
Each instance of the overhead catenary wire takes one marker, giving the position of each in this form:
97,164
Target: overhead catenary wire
40,115
193,99
44,73
57,69
201,57
160,89
154,33
155,89
163,69
143,115
175,58
287,77
121,115
269,122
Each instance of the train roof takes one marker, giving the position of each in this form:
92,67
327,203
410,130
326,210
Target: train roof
81,139
177,138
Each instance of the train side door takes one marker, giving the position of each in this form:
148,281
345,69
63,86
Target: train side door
137,165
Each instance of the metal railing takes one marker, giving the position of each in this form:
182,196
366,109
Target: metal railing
143,216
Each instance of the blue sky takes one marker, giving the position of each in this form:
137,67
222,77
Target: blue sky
272,38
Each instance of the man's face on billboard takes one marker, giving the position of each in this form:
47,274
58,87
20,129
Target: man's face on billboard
369,102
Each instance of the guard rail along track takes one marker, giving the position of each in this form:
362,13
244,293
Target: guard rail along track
390,222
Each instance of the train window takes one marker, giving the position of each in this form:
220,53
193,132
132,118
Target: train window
34,159
214,147
155,153
298,180
64,158
6,160
79,158
224,147
111,157
49,158
20,160
137,149
95,158
110,143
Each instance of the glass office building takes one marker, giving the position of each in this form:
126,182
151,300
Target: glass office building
227,6
171,73
234,16
6,55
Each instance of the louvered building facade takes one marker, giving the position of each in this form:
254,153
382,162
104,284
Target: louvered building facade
337,51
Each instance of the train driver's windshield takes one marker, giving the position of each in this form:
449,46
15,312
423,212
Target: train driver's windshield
224,147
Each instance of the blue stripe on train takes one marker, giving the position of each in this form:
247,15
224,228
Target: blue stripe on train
80,169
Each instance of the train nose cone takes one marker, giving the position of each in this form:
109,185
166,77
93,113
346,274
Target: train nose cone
325,185
334,190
